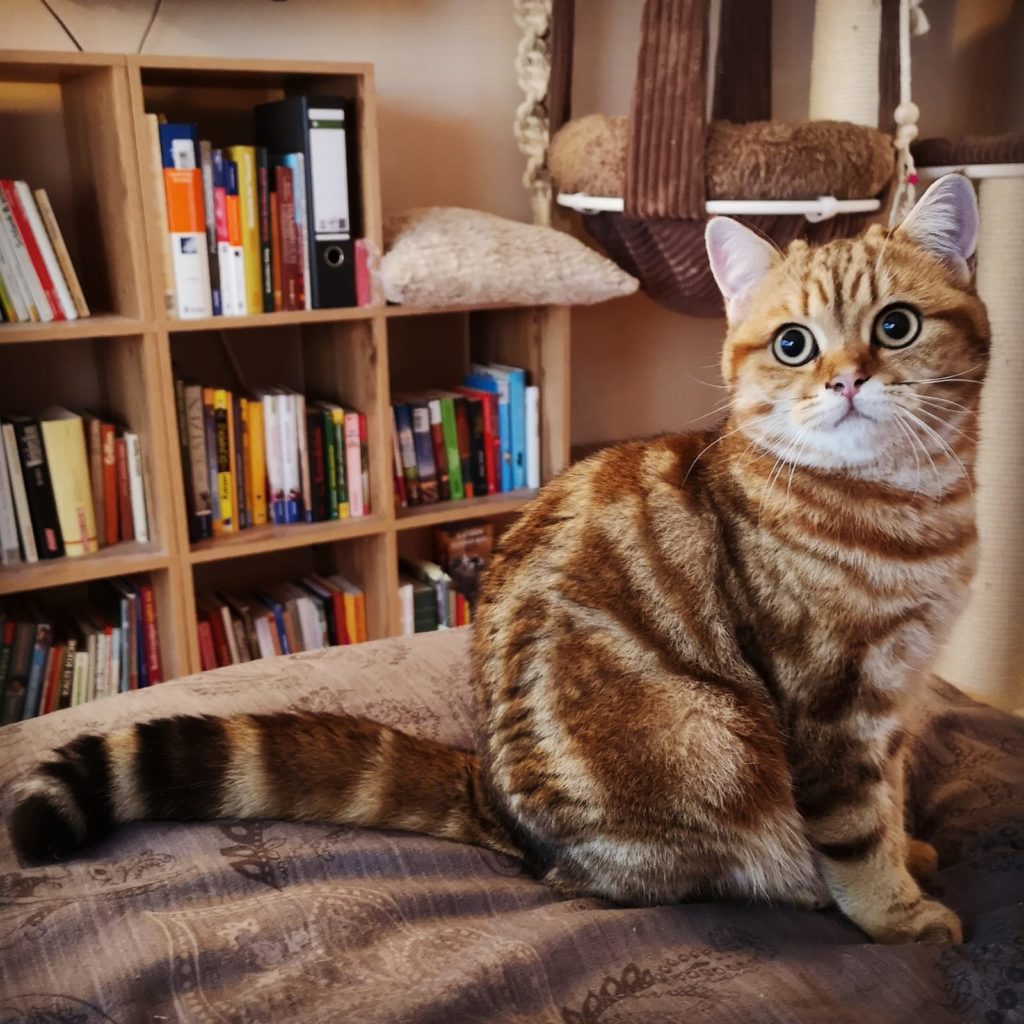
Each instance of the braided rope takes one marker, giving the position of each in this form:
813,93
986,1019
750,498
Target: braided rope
912,22
533,73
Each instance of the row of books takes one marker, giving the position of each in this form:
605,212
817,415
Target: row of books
50,661
313,613
69,485
254,229
482,437
37,279
439,593
272,457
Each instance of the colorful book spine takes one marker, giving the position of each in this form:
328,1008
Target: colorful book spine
233,210
60,250
266,238
59,293
225,456
423,444
42,505
257,463
186,219
453,456
353,464
210,221
67,460
225,257
248,193
403,430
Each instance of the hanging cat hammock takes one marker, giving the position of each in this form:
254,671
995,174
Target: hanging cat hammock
646,185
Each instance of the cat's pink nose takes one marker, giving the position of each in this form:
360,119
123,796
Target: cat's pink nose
847,384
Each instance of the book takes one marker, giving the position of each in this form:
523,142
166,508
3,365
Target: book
210,223
423,445
41,645
482,378
296,163
17,302
186,219
453,455
244,158
364,461
125,526
235,461
329,413
257,464
275,243
402,416
196,465
231,303
266,240
153,657
58,292
60,250
401,499
225,456
42,506
63,434
444,492
272,439
136,486
291,266
532,398
158,200
287,417
19,494
233,213
353,465
94,450
405,603
10,549
462,429
355,608
306,501
317,468
26,255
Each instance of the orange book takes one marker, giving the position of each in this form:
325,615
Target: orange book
257,464
186,221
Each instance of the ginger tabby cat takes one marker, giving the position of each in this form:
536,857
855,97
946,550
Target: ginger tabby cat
692,653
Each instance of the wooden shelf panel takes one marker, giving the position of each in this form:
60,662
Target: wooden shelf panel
468,508
117,560
261,539
107,325
283,319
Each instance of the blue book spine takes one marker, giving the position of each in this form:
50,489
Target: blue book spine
172,153
484,382
37,670
517,415
278,612
126,625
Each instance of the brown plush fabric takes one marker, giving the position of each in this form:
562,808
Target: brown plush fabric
761,160
972,149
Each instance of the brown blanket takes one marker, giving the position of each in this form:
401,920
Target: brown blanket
265,921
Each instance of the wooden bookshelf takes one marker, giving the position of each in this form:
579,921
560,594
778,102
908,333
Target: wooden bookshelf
73,124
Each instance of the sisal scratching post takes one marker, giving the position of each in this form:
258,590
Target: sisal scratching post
844,62
985,653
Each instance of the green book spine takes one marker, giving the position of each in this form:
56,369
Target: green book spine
450,430
339,447
331,460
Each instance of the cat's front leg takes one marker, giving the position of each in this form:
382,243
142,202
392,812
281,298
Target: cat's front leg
863,850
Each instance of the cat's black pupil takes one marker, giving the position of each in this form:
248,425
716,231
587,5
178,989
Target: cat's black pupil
896,325
793,344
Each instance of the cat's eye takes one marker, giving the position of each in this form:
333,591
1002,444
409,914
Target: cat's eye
896,327
794,345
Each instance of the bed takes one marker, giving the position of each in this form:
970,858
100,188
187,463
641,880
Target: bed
266,921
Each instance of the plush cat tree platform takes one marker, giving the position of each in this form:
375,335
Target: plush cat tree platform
269,921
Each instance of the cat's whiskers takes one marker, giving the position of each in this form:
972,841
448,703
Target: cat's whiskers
943,444
939,418
918,443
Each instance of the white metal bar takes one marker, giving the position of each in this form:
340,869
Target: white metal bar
813,209
974,170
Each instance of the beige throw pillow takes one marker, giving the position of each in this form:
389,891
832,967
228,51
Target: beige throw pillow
447,256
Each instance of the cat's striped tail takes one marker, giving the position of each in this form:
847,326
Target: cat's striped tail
298,767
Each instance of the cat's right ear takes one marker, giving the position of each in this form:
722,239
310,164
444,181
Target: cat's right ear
740,260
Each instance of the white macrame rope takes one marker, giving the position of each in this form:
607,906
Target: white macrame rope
533,73
912,22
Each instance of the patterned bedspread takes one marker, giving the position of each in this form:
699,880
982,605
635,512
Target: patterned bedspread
264,921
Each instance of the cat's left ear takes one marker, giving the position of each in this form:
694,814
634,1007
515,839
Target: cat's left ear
740,260
945,223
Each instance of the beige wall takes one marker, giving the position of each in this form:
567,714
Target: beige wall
447,94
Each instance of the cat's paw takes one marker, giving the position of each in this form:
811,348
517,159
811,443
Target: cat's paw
926,921
922,859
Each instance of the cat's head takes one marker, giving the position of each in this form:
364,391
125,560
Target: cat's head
862,352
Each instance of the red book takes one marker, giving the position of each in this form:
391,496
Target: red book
440,458
124,500
108,447
51,681
150,633
32,247
465,459
207,656
292,296
492,436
